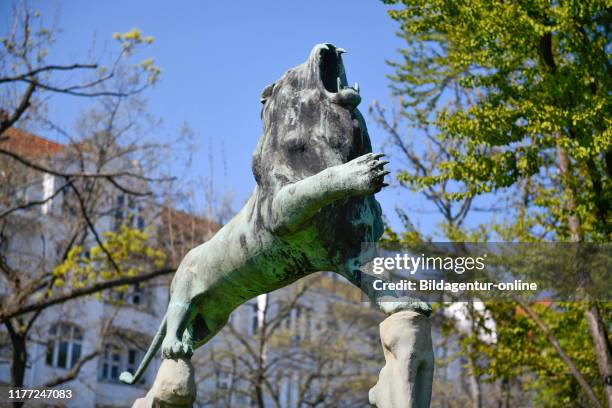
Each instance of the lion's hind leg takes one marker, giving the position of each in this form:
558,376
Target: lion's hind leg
178,341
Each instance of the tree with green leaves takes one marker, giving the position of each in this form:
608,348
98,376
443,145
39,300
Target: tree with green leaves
508,108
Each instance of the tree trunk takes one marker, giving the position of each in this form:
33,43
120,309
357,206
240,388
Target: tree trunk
573,222
475,387
602,349
475,383
597,329
19,360
507,389
18,364
586,388
503,401
259,390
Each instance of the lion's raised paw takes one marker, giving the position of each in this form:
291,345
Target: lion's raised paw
366,173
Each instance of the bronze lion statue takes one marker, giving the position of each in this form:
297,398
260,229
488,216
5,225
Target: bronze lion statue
312,209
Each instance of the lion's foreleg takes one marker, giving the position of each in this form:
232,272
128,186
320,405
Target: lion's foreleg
297,202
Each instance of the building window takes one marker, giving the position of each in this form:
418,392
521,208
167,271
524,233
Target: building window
6,350
119,211
134,295
296,319
132,360
68,202
64,346
224,380
299,322
111,363
126,211
140,222
283,306
306,324
254,319
116,359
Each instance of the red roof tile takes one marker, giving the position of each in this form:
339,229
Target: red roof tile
190,225
28,145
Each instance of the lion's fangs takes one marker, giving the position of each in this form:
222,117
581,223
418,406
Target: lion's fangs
341,87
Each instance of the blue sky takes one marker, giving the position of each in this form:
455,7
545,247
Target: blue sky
216,58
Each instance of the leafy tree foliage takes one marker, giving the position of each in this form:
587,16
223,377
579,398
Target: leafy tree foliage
132,249
507,104
530,85
521,351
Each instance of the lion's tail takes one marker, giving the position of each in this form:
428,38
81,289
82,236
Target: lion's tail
128,378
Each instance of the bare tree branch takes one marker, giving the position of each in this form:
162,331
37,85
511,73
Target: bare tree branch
586,388
92,228
72,90
59,173
24,104
37,71
35,202
80,292
74,371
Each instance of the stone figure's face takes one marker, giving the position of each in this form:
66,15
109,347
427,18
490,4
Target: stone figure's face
311,121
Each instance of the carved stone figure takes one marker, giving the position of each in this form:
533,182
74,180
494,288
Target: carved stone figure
311,210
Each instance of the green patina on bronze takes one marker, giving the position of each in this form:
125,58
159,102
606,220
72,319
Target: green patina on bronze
311,210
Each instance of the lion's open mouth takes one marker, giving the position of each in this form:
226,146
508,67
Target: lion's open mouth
332,71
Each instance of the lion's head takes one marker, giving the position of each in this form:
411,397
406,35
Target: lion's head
311,121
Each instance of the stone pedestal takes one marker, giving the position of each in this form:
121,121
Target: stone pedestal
406,379
174,386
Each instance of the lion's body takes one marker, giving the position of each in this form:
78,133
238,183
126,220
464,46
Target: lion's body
311,210
213,284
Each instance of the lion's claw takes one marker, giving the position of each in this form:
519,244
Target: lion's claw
366,173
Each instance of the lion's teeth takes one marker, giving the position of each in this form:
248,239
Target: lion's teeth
357,87
339,84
